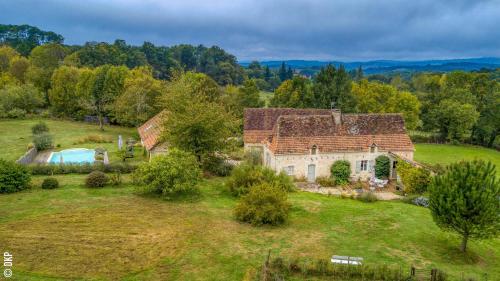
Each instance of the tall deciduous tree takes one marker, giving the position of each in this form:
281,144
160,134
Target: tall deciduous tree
44,60
195,121
465,200
295,93
63,93
139,100
332,85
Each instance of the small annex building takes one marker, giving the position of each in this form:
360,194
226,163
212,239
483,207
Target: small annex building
150,134
306,142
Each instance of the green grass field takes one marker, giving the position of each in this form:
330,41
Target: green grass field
116,234
15,135
446,154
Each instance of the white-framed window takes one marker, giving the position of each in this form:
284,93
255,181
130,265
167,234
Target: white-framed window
364,165
289,170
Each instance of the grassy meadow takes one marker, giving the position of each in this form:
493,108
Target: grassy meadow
446,153
114,233
15,135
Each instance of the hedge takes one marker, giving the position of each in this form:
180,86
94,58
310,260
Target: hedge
59,169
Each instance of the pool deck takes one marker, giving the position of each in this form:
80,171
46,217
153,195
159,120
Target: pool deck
42,157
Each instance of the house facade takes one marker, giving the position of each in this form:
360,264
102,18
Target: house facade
150,133
306,142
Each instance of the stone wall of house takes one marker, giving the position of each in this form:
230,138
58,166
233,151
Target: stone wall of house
298,165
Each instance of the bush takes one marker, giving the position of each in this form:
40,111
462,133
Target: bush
341,171
253,157
382,167
68,168
245,176
13,177
175,172
16,113
367,197
50,183
42,141
96,179
39,128
421,201
325,181
116,179
216,165
415,180
264,204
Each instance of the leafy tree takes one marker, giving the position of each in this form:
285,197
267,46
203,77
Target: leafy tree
374,97
24,38
176,172
267,74
63,92
453,119
255,70
465,200
13,177
197,120
44,60
415,180
294,93
264,204
19,67
6,55
25,97
139,100
332,85
282,74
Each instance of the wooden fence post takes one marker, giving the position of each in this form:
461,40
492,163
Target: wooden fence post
412,271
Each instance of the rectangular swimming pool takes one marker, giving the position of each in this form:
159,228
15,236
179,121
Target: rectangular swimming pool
76,155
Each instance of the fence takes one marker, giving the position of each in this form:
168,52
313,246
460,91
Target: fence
28,157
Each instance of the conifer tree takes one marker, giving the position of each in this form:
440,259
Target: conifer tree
465,199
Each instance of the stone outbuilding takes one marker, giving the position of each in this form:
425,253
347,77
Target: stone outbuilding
306,142
150,133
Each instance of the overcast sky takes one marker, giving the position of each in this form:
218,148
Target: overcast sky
279,29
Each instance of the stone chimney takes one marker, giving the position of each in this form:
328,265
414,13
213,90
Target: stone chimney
337,116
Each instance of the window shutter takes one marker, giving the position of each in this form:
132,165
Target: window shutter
358,166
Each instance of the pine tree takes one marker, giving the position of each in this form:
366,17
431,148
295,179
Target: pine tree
289,73
267,73
282,72
465,200
359,74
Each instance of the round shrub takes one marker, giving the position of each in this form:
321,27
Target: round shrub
176,172
245,176
367,197
264,204
13,177
382,167
96,179
341,171
50,183
42,141
39,128
415,180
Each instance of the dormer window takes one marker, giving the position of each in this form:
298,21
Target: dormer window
314,150
373,148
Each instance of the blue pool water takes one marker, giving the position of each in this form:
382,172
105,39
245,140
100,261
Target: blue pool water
77,155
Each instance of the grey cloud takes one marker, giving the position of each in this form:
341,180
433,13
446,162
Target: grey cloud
281,29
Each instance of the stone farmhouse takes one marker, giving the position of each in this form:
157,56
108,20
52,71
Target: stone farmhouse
306,142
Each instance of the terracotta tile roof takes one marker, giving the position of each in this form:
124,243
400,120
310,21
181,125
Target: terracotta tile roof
259,122
296,133
150,131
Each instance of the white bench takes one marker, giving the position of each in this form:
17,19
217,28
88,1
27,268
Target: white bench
347,260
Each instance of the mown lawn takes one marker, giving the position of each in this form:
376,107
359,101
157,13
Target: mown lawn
115,233
15,135
446,154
